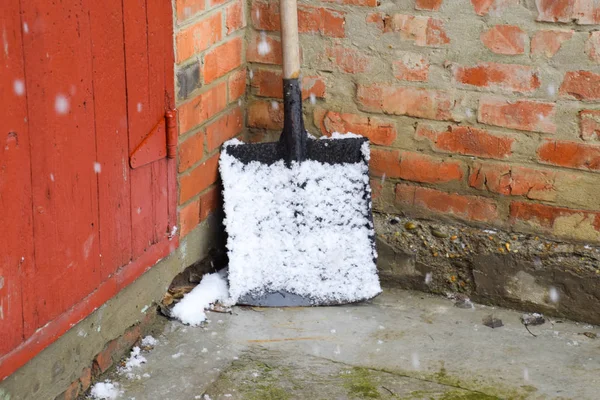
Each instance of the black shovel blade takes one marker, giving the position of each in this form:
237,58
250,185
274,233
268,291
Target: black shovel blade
340,151
299,234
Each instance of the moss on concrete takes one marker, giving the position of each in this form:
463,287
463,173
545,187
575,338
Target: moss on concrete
360,384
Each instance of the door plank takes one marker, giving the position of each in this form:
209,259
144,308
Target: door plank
112,142
140,121
16,230
63,151
156,85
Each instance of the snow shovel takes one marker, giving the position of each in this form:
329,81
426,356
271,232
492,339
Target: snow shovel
298,211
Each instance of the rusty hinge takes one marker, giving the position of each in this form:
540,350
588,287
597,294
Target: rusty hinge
161,142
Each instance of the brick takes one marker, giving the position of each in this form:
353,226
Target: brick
556,218
311,19
512,180
376,188
524,115
589,123
264,49
583,85
508,77
188,79
198,179
570,154
129,339
188,8
414,167
86,379
269,83
378,131
584,12
198,37
484,7
104,359
347,59
473,208
71,393
234,19
202,107
313,85
210,202
505,39
592,46
377,19
191,151
265,15
555,10
428,5
548,42
237,85
424,31
262,114
366,3
427,169
385,162
226,127
321,20
467,140
411,101
222,59
189,217
411,67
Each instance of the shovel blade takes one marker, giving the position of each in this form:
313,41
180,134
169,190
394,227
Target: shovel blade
299,234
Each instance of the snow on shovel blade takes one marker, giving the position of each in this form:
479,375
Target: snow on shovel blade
299,235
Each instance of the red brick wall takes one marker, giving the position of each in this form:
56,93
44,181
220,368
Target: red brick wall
486,111
211,85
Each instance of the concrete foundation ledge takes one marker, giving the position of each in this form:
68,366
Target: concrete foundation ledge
65,369
515,270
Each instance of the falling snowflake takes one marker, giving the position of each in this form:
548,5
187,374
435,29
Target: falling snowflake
139,107
414,359
525,374
553,294
25,27
19,87
263,46
275,105
97,167
313,98
428,278
61,104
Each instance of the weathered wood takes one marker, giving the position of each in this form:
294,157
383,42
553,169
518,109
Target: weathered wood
112,141
16,254
58,68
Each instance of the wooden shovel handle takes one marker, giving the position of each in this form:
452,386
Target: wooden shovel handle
289,39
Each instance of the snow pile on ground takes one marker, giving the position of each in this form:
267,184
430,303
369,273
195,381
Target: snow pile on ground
106,390
212,288
135,360
305,229
149,341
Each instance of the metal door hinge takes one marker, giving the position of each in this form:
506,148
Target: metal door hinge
160,142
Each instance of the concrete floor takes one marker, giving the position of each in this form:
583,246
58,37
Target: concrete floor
402,345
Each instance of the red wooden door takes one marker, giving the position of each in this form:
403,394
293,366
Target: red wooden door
81,86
